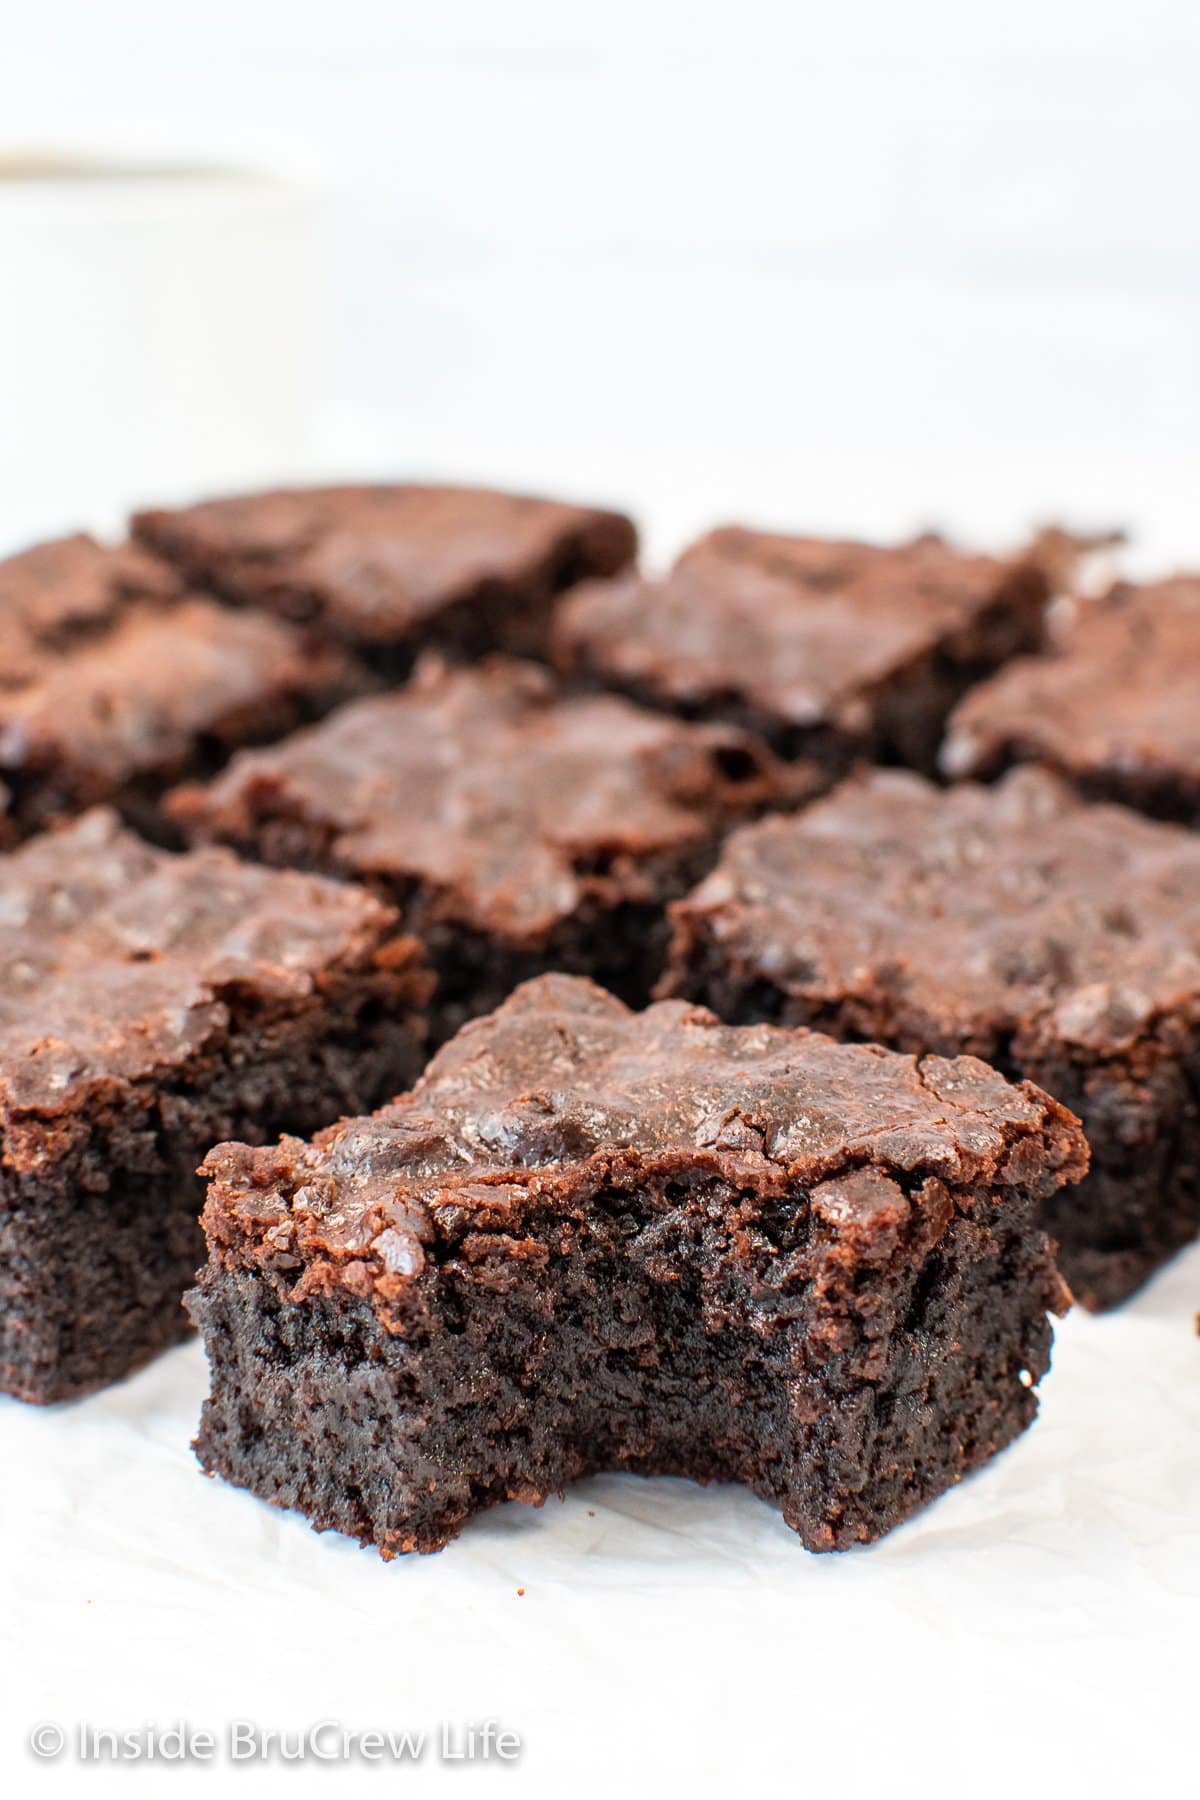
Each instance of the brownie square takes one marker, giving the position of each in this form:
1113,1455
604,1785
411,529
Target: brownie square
114,681
151,1005
1058,939
393,570
835,650
516,831
1113,708
592,1239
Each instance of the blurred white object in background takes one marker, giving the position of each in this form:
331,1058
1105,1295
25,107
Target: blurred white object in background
155,334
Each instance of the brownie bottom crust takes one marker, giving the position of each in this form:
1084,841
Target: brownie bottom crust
95,1257
656,1346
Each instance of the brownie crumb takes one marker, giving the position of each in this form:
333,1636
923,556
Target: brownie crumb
591,1239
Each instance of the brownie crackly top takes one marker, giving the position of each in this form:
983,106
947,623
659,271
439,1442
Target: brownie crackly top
120,963
966,916
374,561
108,669
564,1094
801,630
1114,706
505,804
55,594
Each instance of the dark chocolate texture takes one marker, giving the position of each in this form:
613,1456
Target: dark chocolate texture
1059,940
595,1239
114,682
1112,707
394,570
517,831
834,650
149,1006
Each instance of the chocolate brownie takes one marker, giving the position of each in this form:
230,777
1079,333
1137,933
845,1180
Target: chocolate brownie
114,681
837,650
1060,940
151,1005
599,1240
1113,707
515,830
395,570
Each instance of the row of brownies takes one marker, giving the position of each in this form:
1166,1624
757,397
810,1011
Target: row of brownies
296,789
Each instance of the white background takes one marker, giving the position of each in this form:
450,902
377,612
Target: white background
863,268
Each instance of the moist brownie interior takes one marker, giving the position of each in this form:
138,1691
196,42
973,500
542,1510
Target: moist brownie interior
1056,939
833,650
149,1006
592,1239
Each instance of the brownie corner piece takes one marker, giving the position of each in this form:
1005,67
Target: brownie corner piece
1055,937
841,651
392,570
517,829
150,1006
591,1239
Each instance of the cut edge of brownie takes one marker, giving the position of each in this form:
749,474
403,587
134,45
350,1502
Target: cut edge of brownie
1095,649
1139,1203
904,716
91,721
100,1196
1155,790
848,1339
616,929
486,614
1134,1210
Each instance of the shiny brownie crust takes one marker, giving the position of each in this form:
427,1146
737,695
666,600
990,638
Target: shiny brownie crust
836,651
115,682
1111,708
1056,939
151,1005
515,830
394,570
597,1240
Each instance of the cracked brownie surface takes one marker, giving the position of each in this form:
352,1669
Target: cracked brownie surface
114,681
834,649
150,1004
593,1238
515,828
397,567
1112,707
1058,939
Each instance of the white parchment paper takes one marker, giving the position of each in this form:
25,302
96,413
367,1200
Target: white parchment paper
1034,1630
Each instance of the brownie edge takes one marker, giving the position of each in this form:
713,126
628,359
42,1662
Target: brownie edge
1055,938
151,1006
591,1239
516,830
830,650
394,569
1111,707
